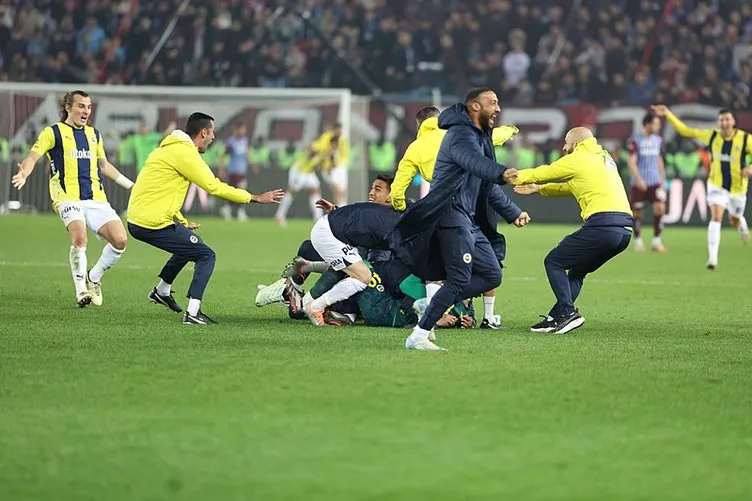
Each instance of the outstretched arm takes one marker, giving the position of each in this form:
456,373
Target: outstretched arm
464,151
703,135
561,170
43,144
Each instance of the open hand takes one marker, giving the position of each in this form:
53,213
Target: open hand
19,178
192,225
509,175
325,205
527,189
270,197
660,110
522,219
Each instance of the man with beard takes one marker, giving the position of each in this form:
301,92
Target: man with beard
439,237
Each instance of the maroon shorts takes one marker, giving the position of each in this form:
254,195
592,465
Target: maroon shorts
637,197
238,181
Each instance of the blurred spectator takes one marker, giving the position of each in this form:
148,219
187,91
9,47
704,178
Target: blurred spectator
533,51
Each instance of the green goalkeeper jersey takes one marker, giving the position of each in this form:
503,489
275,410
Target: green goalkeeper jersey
380,309
377,306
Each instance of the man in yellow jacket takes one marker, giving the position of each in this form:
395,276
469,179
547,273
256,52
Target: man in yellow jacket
154,210
587,172
420,156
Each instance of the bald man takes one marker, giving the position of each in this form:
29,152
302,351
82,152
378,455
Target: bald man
587,172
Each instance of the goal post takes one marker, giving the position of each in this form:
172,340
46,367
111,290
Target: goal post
287,120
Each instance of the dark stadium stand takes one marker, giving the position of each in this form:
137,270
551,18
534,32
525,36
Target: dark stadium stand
535,51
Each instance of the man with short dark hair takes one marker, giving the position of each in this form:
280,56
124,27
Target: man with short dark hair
154,210
648,179
439,237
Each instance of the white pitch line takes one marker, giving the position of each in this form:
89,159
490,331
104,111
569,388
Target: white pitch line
275,272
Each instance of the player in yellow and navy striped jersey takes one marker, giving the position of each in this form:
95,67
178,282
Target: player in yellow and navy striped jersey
77,163
728,179
329,154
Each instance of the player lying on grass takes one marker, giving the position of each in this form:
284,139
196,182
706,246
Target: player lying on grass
307,260
587,172
77,164
420,157
393,298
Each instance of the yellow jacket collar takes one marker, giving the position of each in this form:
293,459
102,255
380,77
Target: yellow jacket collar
428,125
590,145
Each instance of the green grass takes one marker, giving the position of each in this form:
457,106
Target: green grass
650,400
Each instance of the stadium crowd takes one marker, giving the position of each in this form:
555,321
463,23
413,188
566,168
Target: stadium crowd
604,52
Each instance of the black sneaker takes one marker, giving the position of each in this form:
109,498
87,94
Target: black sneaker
168,301
197,319
491,324
569,323
336,319
711,267
294,299
548,324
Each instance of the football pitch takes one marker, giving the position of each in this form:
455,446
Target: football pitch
650,400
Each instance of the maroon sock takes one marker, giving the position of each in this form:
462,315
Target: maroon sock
657,228
636,226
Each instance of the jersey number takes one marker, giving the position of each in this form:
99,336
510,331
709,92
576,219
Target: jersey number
375,280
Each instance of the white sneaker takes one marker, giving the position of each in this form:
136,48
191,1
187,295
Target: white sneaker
745,237
282,222
269,294
95,289
242,216
421,344
432,335
639,245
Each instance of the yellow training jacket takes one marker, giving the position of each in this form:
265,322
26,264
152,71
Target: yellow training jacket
420,156
588,173
160,188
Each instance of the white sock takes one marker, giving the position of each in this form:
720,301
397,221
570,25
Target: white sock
163,288
284,205
109,258
317,213
714,241
193,306
431,289
419,334
315,267
488,307
307,298
342,290
78,268
656,240
743,228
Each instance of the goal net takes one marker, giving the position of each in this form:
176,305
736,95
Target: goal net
285,120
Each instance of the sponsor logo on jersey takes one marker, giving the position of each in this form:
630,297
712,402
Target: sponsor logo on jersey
81,154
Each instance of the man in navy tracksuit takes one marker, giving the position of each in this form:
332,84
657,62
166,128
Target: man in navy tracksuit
439,237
